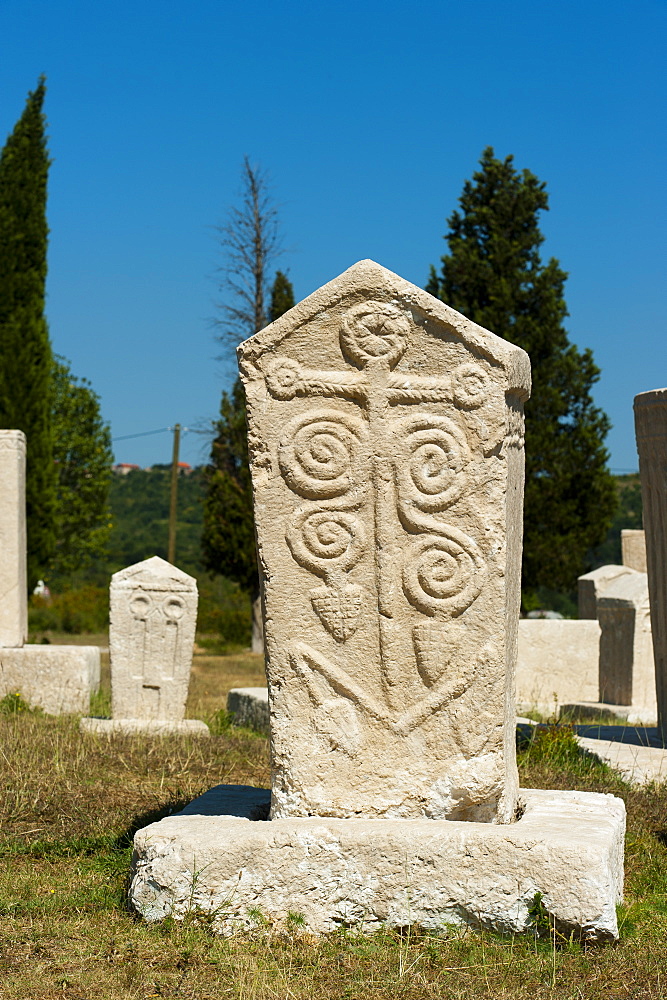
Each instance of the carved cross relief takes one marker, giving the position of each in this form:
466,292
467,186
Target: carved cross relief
419,468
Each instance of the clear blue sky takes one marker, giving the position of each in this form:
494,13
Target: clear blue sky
369,116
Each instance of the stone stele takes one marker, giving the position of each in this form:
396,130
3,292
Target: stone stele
651,430
13,582
152,621
386,446
627,673
57,679
633,548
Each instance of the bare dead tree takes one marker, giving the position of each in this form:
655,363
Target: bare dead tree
250,242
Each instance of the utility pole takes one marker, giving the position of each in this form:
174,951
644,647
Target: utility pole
171,548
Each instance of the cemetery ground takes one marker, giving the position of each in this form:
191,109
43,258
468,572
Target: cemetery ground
69,806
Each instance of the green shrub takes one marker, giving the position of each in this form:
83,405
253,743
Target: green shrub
224,611
85,609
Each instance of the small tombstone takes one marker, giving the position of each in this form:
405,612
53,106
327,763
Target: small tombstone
153,614
591,586
633,548
626,671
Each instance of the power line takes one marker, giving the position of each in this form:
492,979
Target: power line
126,437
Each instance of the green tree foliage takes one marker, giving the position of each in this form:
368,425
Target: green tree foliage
83,458
282,296
494,275
628,515
26,361
228,539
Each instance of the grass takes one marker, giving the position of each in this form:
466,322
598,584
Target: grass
70,804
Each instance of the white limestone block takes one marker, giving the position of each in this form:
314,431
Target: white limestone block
153,616
557,663
386,449
144,727
57,679
651,430
13,580
592,586
633,548
627,673
218,857
249,707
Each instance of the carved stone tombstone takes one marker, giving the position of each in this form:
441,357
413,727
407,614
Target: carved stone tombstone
153,614
386,447
152,621
385,435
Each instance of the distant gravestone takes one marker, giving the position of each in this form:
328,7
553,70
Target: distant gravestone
152,620
626,671
385,435
153,616
58,679
13,582
591,586
633,548
651,429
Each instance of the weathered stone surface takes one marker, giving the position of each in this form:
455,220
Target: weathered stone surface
217,857
651,430
13,582
557,663
633,548
249,707
592,585
144,727
57,679
639,763
627,674
153,615
386,445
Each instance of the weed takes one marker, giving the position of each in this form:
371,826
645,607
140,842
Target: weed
13,703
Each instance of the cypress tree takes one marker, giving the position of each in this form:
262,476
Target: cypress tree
282,296
25,350
495,276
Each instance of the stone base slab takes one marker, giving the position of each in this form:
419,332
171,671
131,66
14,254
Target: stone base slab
57,679
634,715
219,857
146,727
250,707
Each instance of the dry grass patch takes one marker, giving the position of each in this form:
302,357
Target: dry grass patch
69,805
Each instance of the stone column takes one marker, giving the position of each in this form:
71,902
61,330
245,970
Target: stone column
651,430
13,578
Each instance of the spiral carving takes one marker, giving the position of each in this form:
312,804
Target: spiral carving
319,453
325,541
431,470
443,573
470,385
